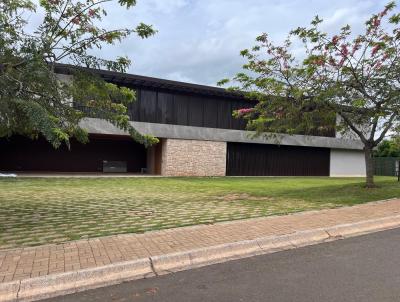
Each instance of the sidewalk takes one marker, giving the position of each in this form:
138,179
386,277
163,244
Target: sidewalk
49,260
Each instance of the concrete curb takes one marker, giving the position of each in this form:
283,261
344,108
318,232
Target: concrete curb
66,283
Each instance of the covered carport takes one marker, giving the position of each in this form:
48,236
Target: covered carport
103,153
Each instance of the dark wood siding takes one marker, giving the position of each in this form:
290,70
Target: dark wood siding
165,108
189,109
196,111
22,154
171,102
224,114
148,106
210,118
186,109
273,160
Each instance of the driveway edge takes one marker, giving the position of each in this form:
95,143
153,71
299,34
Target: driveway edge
38,288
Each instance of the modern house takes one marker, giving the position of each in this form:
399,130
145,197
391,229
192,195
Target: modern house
198,137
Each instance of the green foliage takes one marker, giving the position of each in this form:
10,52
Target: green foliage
34,100
388,148
352,76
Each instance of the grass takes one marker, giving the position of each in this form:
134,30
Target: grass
44,210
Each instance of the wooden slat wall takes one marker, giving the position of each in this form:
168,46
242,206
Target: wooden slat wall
186,109
166,107
22,154
273,160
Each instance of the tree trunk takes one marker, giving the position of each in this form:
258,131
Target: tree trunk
369,165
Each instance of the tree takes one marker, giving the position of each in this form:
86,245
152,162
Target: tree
388,148
355,77
34,100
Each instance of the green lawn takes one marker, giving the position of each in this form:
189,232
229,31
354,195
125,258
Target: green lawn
38,211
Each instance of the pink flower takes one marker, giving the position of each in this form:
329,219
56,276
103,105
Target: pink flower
91,13
244,111
344,50
335,40
376,22
385,57
375,49
76,20
285,65
384,12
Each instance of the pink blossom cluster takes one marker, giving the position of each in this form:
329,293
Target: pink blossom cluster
76,20
344,50
335,40
384,12
376,22
375,49
244,111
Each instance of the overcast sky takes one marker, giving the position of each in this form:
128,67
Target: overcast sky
199,40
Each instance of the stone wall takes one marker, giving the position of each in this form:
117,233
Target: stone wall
193,158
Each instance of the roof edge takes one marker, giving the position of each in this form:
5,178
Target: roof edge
146,81
93,125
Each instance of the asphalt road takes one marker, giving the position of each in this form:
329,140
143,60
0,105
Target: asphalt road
365,268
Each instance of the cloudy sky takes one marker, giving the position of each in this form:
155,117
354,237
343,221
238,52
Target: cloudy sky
199,40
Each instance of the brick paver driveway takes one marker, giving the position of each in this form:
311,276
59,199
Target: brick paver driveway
22,263
40,211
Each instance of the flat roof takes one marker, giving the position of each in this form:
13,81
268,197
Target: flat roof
98,126
150,82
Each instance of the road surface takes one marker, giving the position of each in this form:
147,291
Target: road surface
365,268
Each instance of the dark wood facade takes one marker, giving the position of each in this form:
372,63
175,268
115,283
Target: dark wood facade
274,160
188,109
157,106
177,103
23,154
167,102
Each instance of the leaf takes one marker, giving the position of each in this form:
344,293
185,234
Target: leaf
127,3
33,101
145,31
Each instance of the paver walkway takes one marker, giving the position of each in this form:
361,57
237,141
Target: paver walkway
22,263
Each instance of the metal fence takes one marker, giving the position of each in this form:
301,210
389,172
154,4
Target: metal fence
385,166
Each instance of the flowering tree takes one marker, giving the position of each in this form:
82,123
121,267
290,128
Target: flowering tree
33,99
355,77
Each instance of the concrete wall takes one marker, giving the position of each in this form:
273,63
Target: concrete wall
347,163
99,126
193,158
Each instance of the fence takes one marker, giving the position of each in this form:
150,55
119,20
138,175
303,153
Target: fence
385,166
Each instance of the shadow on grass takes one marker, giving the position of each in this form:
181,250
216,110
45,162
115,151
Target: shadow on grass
344,194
